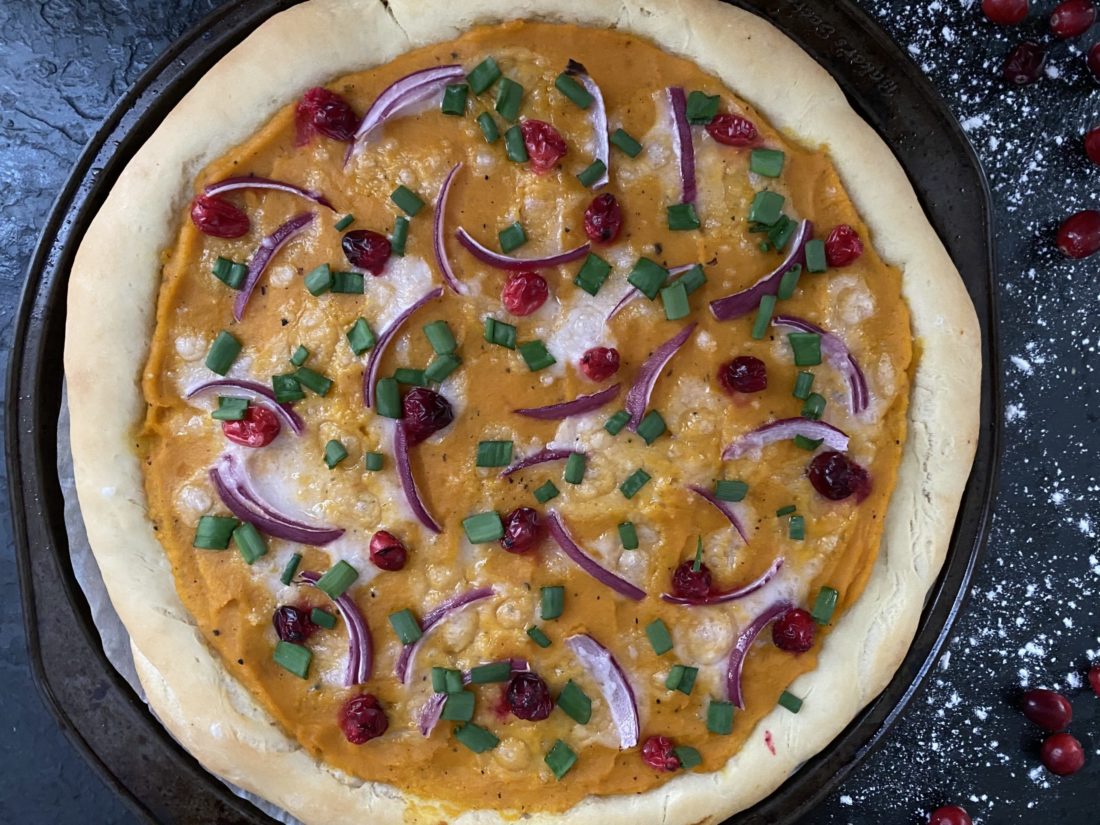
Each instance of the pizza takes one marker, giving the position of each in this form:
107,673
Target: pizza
490,410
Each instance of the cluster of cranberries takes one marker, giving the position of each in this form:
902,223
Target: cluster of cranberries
1060,753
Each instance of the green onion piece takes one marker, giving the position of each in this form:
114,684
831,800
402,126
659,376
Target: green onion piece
488,127
806,347
592,173
230,409
651,427
458,707
763,317
764,246
454,101
648,276
560,759
299,356
790,702
807,444
313,380
335,582
442,681
682,678
509,97
475,737
573,90
492,672
334,453
441,367
689,757
494,453
693,278
546,492
536,356
294,658
400,236
500,333
675,300
221,267
701,108
387,398
781,233
360,338
291,568
407,200
815,256
373,461
802,385
628,535
286,388
615,423
440,337
767,162
574,468
634,483
230,273
785,510
484,75
344,223
249,542
319,280
789,282
626,143
825,605
720,717
223,352
213,532
512,237
576,705
592,274
796,528
814,407
514,145
237,275
552,602
675,676
538,637
682,217
410,377
405,626
730,490
659,637
483,528
697,564
347,283
322,618
767,207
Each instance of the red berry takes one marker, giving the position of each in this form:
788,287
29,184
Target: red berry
1024,64
950,815
689,583
1094,679
842,246
292,624
218,217
545,147
743,374
424,412
1062,754
1005,12
836,477
522,530
387,552
1092,60
1047,709
1072,18
732,130
603,219
326,112
363,719
258,428
794,631
1079,236
524,293
658,754
366,249
528,697
600,363
1092,145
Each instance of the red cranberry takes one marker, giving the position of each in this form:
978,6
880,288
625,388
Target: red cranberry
950,815
1079,236
794,631
218,217
1092,60
1072,18
1047,709
732,130
1025,63
366,249
842,246
1062,754
522,530
292,624
424,412
603,219
1094,679
545,146
1092,145
387,552
1005,12
743,374
362,719
524,293
836,477
689,583
600,363
528,697
258,428
326,112
658,754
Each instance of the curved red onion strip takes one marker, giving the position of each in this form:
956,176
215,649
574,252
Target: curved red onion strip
403,668
723,507
613,684
784,429
637,398
633,292
255,182
588,564
374,360
499,261
741,648
408,480
360,649
681,143
439,245
729,595
839,357
267,250
742,303
541,457
567,409
598,116
255,391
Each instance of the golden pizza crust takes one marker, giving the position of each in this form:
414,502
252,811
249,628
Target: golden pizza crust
112,297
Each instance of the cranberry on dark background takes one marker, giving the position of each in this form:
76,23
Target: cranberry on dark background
1024,64
1005,12
950,815
1047,709
1072,18
1062,754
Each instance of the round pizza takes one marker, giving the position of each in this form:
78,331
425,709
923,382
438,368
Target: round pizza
487,410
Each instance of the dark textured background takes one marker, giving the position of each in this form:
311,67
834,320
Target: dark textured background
1033,616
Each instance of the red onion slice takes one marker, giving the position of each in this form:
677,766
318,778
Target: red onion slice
499,261
782,430
408,481
253,182
741,648
541,457
633,292
432,711
374,360
230,478
613,684
254,391
681,143
403,668
267,250
637,398
597,113
439,244
360,649
588,564
723,507
838,356
729,595
747,300
567,409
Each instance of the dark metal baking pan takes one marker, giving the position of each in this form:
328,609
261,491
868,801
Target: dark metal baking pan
99,712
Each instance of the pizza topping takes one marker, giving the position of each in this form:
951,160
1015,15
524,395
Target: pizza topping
743,302
732,130
496,259
597,110
836,476
360,645
721,505
268,249
590,566
545,145
1024,64
524,293
321,110
258,428
1092,144
1092,60
637,398
541,457
255,182
834,349
367,250
254,391
362,719
843,246
374,360
1094,679
1005,12
1072,18
1049,710
741,649
681,143
528,697
292,624
1062,754
603,219
817,432
426,412
691,581
613,684
408,480
218,218
657,752
949,815
744,374
794,631
600,363
387,552
1079,235
403,667
522,530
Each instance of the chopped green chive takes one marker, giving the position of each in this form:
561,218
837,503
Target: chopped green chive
360,338
294,658
785,510
400,236
313,380
682,678
494,453
347,283
322,618
387,398
299,356
763,317
538,637
689,757
407,201
789,282
475,737
405,626
552,602
446,680
230,409
628,535
319,280
560,759
720,717
483,528
536,356
454,100
592,173
814,407
223,352
335,452
767,207
803,384
373,461
410,377
214,532
546,492
730,490
221,267
492,672
701,108
458,707
781,233
441,367
697,564
675,300
659,637
230,273
806,347
693,278
509,97
807,444
592,274
574,468
637,480
767,162
514,145
291,568
568,86
512,237
441,338
286,388
825,605
615,423
344,223
796,528
651,427
249,542
488,127
790,701
622,139
500,333
574,703
336,581
682,217
815,256
648,276
483,75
